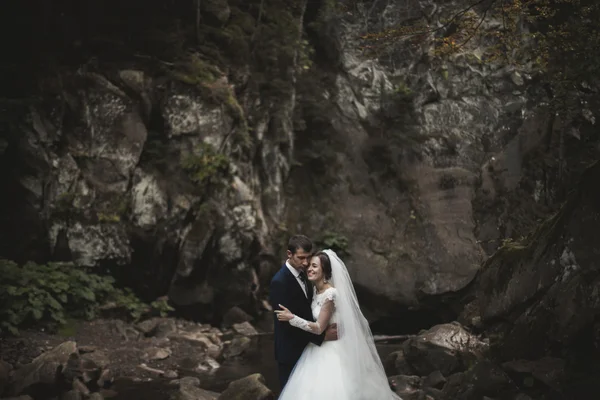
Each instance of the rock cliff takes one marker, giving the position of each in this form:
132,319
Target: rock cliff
178,149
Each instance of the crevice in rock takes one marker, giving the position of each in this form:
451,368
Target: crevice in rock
404,320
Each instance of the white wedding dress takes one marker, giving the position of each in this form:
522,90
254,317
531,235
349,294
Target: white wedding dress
345,369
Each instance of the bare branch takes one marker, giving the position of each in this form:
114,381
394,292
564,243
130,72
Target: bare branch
476,29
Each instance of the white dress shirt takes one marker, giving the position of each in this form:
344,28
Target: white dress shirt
296,274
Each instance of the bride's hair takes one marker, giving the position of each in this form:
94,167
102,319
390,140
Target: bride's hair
325,263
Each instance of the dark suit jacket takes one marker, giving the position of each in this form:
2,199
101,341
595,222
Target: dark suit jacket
289,341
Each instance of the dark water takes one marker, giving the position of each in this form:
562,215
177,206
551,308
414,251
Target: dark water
258,359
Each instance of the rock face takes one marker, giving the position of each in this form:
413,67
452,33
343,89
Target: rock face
422,164
190,180
159,177
449,362
538,299
177,353
546,285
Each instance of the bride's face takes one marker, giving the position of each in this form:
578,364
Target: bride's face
315,271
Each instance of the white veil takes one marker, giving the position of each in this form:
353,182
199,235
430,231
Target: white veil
360,358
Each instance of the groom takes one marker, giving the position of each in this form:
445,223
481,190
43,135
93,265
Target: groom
290,288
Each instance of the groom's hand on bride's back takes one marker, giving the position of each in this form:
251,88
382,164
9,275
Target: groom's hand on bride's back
331,333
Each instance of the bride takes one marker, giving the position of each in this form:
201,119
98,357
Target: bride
348,368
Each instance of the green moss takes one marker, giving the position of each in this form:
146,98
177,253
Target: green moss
402,89
334,241
207,167
196,71
110,218
64,201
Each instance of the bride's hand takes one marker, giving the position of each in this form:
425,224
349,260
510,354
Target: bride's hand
284,315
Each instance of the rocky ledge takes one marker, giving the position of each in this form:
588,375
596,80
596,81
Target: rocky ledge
178,360
108,358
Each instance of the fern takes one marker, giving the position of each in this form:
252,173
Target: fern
50,294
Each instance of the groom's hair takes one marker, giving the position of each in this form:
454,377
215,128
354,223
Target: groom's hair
300,242
325,264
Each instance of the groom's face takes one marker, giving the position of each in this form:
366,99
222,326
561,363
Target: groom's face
299,259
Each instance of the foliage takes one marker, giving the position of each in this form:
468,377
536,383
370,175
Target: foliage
162,306
334,241
102,217
206,166
555,37
50,294
194,70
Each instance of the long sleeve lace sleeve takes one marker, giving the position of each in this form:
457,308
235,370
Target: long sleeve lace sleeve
323,319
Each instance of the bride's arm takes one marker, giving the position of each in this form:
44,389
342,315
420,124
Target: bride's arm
322,321
317,327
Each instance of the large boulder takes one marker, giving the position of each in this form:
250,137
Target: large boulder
251,387
546,285
447,348
44,370
189,390
483,379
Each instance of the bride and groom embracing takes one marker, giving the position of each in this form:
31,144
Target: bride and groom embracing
323,343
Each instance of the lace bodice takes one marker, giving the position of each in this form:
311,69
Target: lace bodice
323,310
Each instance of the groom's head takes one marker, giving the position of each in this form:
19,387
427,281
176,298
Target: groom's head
299,251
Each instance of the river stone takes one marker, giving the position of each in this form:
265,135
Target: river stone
445,347
43,369
235,315
251,387
237,346
245,328
395,364
189,390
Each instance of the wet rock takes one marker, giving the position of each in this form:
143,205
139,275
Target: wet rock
199,338
91,372
249,388
105,379
43,369
550,371
396,364
209,364
126,331
189,381
245,328
445,348
434,380
482,379
100,358
189,390
235,315
237,346
170,374
407,387
86,349
158,327
156,353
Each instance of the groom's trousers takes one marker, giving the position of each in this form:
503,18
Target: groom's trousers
285,370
